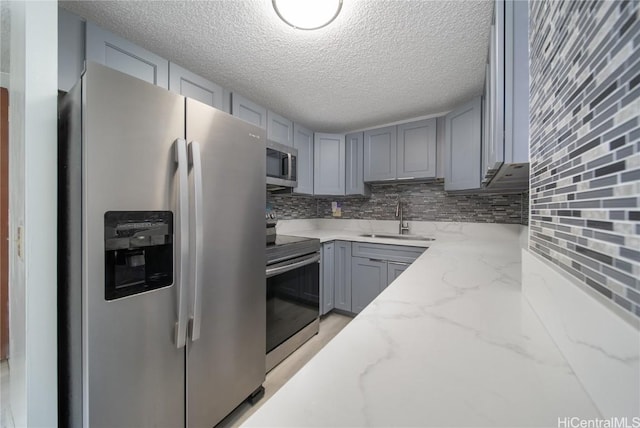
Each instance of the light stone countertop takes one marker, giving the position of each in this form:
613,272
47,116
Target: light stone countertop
451,342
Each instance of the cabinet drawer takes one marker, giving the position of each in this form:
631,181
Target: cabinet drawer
394,253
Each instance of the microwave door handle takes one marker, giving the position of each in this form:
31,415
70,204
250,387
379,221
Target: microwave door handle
183,240
286,268
196,161
290,164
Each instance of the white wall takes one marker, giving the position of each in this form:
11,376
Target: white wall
32,205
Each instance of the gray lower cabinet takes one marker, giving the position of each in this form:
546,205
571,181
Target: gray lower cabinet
463,147
380,147
353,274
248,111
342,279
394,269
279,129
303,142
328,164
416,156
354,158
189,84
327,278
120,54
368,279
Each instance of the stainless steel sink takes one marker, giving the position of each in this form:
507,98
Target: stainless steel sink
394,236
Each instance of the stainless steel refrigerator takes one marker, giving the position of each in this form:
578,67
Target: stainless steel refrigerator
161,258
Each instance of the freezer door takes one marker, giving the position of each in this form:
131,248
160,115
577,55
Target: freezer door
226,362
133,372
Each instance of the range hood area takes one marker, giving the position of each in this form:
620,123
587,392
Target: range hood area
512,176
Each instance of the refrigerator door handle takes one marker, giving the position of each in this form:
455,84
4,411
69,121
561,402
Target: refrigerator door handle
183,241
195,159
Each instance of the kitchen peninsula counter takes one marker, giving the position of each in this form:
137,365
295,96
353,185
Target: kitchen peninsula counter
451,342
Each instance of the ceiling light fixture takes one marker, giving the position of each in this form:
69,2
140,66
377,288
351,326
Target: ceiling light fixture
307,14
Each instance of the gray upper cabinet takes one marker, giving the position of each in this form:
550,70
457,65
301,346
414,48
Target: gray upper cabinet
329,164
71,51
368,279
463,146
488,157
417,150
342,281
120,54
303,142
506,141
516,97
279,129
193,86
380,147
328,277
248,111
355,165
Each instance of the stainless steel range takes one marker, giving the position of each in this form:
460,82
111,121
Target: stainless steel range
293,295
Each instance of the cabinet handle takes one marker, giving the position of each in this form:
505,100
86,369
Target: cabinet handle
406,178
377,260
399,263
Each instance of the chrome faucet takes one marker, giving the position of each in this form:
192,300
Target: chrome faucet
404,225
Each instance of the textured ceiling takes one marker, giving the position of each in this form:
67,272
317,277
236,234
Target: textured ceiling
380,61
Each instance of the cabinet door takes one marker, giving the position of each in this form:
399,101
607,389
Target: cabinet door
193,86
462,147
279,129
496,62
355,165
342,281
328,276
417,150
394,270
516,84
328,164
487,149
303,142
120,54
71,50
380,154
248,111
368,279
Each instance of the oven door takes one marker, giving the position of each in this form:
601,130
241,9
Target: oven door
293,297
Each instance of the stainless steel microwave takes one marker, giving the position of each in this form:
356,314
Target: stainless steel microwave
282,169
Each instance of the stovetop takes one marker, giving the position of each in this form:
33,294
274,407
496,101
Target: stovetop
288,247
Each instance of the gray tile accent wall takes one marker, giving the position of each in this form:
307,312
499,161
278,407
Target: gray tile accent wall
585,133
421,202
291,207
429,202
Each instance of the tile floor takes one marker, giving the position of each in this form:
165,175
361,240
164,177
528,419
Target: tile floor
330,326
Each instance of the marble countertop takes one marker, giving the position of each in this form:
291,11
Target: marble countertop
451,342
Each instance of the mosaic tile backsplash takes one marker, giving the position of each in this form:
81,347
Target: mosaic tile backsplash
585,143
421,202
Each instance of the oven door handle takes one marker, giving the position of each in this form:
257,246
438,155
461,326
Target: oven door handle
314,258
